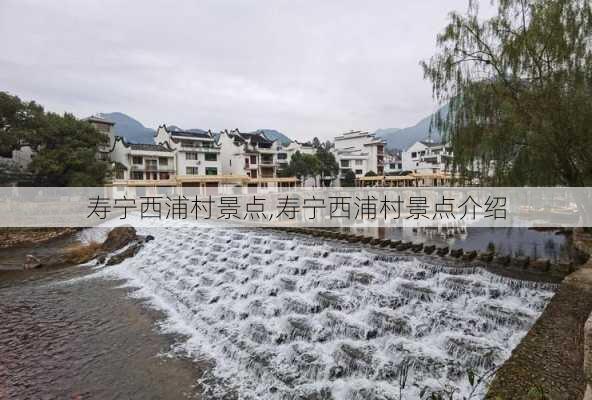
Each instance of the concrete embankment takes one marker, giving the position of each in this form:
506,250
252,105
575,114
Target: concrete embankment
549,362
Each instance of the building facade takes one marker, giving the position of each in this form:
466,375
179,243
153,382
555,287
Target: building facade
426,156
360,152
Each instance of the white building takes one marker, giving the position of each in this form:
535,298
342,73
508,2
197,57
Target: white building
426,156
196,153
255,158
360,152
392,164
147,164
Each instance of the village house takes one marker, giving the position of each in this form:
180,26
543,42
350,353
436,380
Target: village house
360,152
256,158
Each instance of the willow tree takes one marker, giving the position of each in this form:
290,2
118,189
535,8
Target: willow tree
519,91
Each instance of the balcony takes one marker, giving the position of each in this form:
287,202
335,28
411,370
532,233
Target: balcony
152,168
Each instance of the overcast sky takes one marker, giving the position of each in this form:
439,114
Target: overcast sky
306,68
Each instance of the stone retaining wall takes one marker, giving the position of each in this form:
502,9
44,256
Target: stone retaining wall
555,357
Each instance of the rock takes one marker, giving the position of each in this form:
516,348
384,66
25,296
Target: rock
563,267
540,265
502,260
521,261
416,248
31,262
429,249
486,256
404,246
395,243
118,238
469,255
148,238
456,253
375,242
442,251
365,240
385,243
127,253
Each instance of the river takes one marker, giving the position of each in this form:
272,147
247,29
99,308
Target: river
214,312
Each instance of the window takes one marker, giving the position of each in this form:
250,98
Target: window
359,163
192,170
137,175
253,159
151,165
164,176
358,172
163,161
211,157
413,155
191,156
211,171
119,174
282,156
137,160
345,163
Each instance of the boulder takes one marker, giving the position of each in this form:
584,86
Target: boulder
429,249
31,262
375,242
469,255
540,265
404,246
127,253
521,261
502,260
416,248
442,251
456,253
395,243
118,238
486,256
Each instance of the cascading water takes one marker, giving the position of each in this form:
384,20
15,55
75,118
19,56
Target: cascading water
290,317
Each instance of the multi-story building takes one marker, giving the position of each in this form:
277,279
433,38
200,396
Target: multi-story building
197,153
426,156
392,164
107,127
285,152
255,157
360,152
145,164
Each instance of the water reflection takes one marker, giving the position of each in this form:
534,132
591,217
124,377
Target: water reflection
506,241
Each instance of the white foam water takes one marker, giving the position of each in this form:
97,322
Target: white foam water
292,317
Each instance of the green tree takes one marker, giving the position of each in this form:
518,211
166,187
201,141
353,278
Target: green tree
328,166
64,148
348,179
18,122
519,90
370,173
302,166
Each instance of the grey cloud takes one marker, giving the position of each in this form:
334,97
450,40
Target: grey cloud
307,68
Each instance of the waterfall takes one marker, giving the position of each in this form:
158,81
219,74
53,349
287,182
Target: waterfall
290,317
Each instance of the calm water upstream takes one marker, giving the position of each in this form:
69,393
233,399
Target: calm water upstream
256,315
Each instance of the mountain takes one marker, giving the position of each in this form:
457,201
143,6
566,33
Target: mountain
272,134
403,138
131,129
